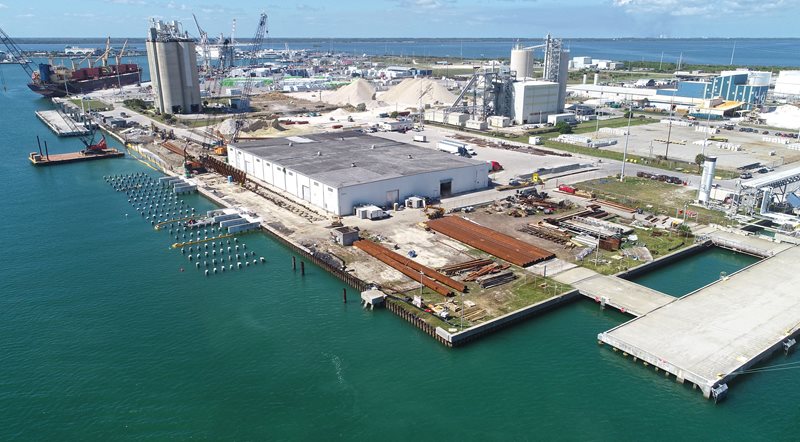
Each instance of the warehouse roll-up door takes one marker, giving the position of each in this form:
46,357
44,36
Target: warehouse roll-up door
392,196
306,193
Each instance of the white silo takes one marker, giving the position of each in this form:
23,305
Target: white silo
173,68
522,62
707,180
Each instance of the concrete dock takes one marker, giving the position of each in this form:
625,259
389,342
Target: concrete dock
711,335
57,122
612,291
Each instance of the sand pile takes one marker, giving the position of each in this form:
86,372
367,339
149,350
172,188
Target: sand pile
355,93
228,126
786,116
409,90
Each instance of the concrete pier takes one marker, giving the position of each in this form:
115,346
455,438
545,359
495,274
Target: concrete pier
56,122
612,291
711,335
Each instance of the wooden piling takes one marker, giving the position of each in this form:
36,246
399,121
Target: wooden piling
294,263
302,268
344,295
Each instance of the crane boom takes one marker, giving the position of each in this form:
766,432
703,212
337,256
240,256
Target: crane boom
16,52
247,88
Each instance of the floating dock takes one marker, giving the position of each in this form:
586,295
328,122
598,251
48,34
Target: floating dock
38,159
715,333
56,121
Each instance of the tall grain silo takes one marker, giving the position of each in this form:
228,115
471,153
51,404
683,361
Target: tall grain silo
173,68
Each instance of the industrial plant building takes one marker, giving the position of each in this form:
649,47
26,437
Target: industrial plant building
338,172
534,100
516,94
747,87
172,57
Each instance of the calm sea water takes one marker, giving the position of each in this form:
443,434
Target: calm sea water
700,269
102,337
745,52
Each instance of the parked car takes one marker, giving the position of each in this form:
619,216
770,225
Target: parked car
763,170
746,175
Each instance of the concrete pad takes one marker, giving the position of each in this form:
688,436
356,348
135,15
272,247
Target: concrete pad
623,295
708,336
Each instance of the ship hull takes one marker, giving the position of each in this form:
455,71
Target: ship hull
50,90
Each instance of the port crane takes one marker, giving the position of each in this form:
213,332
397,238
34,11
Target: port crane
203,43
106,53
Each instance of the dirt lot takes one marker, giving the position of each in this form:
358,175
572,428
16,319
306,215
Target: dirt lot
284,105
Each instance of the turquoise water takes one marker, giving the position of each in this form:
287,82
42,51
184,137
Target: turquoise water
102,337
695,271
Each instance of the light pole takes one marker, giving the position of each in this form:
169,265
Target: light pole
669,131
625,149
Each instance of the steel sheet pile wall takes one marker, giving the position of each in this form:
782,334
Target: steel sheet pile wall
412,269
490,241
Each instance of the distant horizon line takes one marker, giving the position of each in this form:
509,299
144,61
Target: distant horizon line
436,38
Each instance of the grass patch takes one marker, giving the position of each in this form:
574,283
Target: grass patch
652,196
533,289
95,105
609,263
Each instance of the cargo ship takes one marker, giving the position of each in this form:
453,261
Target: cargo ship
60,81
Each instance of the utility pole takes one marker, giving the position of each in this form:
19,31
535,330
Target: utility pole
669,131
625,149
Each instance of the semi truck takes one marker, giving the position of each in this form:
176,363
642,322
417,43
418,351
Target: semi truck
455,147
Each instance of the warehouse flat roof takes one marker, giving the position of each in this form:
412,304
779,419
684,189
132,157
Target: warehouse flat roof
328,157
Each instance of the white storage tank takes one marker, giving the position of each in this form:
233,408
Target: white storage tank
522,62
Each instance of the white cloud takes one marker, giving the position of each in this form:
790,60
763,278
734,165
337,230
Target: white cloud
684,8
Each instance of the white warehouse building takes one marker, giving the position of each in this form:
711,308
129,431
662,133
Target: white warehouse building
534,100
338,172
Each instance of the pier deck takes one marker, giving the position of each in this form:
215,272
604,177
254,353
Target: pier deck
709,336
56,122
626,296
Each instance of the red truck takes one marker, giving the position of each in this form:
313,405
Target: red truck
566,189
496,167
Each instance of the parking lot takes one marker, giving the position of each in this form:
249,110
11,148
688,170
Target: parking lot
650,140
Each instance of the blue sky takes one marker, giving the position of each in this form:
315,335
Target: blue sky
412,18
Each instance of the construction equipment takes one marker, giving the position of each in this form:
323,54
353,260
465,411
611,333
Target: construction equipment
434,212
247,87
16,53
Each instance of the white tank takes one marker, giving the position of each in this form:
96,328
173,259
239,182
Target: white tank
522,62
596,79
707,179
584,78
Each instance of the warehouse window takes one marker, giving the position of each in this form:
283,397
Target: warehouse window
267,164
330,189
316,184
291,174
